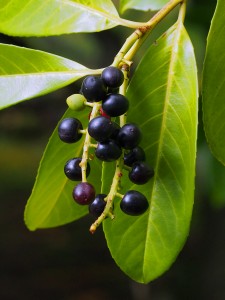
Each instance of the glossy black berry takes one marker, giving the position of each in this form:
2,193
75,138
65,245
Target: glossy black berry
112,77
100,128
134,155
73,171
93,89
97,207
108,151
115,105
129,136
134,203
68,130
141,173
84,193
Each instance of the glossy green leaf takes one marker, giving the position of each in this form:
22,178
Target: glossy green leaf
55,17
51,203
213,88
163,95
27,73
142,4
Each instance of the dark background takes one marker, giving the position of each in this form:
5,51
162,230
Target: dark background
67,263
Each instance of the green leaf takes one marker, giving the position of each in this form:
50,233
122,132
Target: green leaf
27,73
213,87
163,101
55,17
141,4
51,203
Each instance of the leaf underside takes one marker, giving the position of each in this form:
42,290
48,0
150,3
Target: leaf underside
27,73
142,4
213,87
163,102
55,17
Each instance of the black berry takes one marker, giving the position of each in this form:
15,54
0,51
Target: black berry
100,128
112,77
115,105
108,151
129,136
93,89
73,171
134,203
68,130
134,155
84,193
141,173
97,207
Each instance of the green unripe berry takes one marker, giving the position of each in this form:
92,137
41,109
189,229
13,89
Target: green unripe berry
76,102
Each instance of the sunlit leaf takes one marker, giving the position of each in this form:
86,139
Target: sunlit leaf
27,73
55,17
213,88
163,96
142,4
51,203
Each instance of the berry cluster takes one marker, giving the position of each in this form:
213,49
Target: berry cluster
112,141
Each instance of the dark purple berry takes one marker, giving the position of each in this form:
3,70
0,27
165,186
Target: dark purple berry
97,207
84,193
134,203
134,155
108,151
129,136
115,105
93,89
112,77
141,173
100,128
73,171
68,130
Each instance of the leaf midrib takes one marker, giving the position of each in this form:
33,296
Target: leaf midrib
162,130
75,72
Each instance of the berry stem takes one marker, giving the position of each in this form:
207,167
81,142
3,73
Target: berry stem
87,142
83,131
109,199
119,163
126,46
89,104
123,88
136,39
119,195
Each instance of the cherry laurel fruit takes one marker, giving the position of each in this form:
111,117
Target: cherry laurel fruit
93,89
112,77
115,105
108,151
73,171
68,130
129,136
140,173
76,102
134,155
134,203
84,193
100,128
97,207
